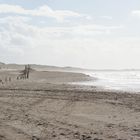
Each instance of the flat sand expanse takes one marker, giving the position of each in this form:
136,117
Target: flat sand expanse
45,107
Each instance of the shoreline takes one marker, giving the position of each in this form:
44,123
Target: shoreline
45,107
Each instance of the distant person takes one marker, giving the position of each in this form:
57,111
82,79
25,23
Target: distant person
6,79
9,79
1,82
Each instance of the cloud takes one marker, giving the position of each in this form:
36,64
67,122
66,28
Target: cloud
14,36
15,31
82,46
44,11
24,39
136,13
107,17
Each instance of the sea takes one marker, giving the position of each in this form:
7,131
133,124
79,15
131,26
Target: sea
122,80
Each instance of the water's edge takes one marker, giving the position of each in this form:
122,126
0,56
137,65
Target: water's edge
128,81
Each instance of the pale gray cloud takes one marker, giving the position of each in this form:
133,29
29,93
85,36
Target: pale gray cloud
83,45
107,17
136,13
44,11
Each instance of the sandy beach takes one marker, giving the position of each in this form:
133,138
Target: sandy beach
46,107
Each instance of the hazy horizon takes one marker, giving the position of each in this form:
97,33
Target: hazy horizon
92,34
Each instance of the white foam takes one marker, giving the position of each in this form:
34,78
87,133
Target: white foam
117,80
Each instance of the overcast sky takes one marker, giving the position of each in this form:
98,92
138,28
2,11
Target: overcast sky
98,34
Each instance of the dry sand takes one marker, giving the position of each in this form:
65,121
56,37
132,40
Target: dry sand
45,107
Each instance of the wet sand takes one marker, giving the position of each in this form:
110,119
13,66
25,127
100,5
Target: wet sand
45,107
